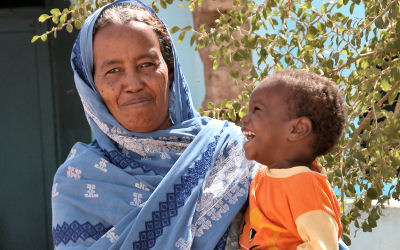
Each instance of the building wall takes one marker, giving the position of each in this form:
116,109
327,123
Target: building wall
41,118
385,236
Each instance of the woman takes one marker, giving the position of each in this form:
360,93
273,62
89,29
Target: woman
157,174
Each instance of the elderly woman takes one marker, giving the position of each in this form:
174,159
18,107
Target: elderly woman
157,174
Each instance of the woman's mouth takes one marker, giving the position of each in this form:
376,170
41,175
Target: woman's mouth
136,102
248,133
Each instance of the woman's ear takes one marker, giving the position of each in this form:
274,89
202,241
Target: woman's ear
300,128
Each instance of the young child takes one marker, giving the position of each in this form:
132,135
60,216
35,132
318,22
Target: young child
294,116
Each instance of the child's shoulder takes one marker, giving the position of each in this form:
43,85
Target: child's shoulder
295,178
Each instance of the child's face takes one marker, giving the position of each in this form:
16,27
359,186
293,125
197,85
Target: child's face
266,125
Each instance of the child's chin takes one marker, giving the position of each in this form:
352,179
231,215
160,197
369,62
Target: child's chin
248,155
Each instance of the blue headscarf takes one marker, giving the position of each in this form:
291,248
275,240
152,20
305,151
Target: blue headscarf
177,188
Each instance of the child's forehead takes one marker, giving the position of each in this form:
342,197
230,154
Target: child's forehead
268,89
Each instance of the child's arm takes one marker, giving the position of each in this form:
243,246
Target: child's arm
316,212
318,230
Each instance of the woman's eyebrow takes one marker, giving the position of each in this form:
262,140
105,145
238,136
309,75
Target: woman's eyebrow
148,54
108,63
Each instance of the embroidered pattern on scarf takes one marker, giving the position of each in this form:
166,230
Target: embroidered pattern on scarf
74,231
141,146
218,191
176,199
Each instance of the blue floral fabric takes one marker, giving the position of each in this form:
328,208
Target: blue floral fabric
178,188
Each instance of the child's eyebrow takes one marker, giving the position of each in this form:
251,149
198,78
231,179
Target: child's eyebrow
258,102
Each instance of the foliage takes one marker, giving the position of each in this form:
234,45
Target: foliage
361,54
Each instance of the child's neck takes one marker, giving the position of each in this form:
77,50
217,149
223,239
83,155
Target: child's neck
284,164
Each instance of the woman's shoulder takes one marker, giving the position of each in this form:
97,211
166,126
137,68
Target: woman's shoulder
230,127
80,155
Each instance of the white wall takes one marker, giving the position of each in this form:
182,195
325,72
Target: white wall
386,236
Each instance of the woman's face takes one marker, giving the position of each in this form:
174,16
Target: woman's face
132,76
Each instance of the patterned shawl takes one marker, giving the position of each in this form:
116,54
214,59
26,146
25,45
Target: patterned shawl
178,188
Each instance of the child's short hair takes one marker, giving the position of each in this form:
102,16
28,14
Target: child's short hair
317,98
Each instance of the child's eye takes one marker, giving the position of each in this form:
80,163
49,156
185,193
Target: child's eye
256,108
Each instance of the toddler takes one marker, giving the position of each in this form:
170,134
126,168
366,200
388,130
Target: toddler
294,116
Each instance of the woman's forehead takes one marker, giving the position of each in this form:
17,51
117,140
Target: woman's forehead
133,34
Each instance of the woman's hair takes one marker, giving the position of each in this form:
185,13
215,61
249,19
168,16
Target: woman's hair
317,98
125,13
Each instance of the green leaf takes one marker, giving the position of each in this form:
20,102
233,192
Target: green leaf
366,227
324,8
379,23
43,17
234,73
386,86
69,28
55,11
236,106
241,114
181,36
34,38
215,64
43,37
163,4
346,239
351,188
174,29
210,105
192,39
232,115
228,104
393,11
77,25
154,7
187,28
191,7
200,3
55,19
320,27
352,8
63,18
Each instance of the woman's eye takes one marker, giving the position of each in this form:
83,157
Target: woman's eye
146,65
114,70
256,108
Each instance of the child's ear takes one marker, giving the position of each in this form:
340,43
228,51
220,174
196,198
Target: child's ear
300,128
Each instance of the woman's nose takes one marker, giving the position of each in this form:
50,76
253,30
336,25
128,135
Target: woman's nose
133,82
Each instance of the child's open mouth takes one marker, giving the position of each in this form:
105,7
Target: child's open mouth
249,134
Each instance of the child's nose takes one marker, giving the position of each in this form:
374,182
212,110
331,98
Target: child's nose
245,119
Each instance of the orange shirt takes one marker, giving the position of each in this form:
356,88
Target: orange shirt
292,208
